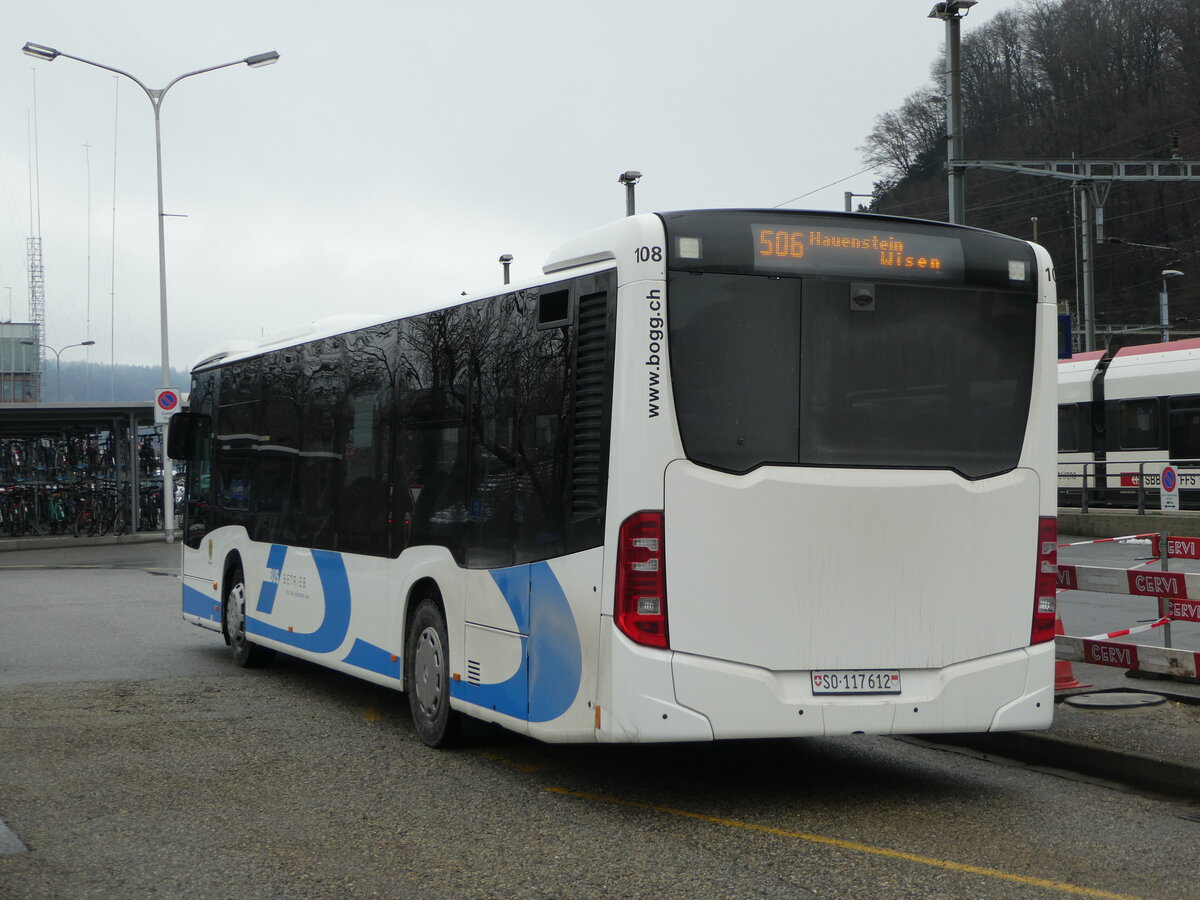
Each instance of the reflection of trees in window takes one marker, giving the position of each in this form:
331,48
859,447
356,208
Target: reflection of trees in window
365,435
237,439
455,424
200,510
431,468
321,383
279,453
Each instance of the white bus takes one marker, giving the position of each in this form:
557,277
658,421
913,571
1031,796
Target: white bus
718,474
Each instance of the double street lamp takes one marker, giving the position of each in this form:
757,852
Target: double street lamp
49,54
58,365
58,362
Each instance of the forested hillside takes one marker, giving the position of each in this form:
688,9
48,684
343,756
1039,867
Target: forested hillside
1089,79
100,382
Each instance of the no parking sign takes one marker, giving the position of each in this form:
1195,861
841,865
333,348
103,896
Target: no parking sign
166,403
1168,491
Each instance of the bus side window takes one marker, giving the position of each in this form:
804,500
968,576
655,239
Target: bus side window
365,438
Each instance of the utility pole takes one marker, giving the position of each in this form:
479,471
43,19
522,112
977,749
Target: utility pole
952,12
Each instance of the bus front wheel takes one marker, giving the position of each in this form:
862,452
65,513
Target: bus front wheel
245,654
427,676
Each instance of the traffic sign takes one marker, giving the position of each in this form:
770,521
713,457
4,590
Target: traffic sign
166,402
1168,490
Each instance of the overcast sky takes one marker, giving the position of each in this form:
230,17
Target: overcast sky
399,147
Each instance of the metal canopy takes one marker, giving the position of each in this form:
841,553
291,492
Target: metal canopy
33,420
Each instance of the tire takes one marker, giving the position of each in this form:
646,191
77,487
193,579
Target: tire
83,523
427,676
233,613
119,523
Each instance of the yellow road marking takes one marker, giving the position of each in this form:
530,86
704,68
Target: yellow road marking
1060,886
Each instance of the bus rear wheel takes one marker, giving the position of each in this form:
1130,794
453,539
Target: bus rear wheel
245,654
427,676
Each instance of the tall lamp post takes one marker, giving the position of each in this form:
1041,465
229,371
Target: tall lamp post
49,54
951,12
58,364
629,179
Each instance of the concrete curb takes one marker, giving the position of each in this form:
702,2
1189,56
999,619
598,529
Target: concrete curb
1102,523
1136,770
56,541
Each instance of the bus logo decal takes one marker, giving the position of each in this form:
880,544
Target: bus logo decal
270,586
335,588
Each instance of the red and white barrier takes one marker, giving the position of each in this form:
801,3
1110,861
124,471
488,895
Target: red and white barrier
1112,540
1124,632
1179,596
1180,590
1163,660
1177,547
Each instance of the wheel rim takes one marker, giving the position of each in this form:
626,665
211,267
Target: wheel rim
429,672
235,614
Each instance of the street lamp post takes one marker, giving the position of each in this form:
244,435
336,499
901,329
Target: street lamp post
951,12
58,364
1163,318
629,179
49,54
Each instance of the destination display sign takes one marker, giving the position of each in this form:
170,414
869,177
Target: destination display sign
860,252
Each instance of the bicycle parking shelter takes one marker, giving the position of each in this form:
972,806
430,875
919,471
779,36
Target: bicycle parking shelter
125,422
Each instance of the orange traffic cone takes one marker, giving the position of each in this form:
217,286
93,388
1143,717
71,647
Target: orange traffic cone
1064,677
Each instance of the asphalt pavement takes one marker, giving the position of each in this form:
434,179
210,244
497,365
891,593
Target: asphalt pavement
1139,733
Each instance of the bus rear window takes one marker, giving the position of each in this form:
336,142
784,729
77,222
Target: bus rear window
790,371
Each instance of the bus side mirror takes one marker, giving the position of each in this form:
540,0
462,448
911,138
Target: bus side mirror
181,436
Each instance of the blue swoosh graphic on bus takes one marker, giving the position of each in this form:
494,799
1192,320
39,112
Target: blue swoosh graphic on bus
547,681
374,659
335,585
514,586
555,657
198,603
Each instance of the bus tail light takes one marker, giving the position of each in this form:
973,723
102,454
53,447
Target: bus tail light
641,600
1045,609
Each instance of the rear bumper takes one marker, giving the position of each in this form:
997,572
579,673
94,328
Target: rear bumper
1011,691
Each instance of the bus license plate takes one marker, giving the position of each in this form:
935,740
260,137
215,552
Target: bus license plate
856,681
